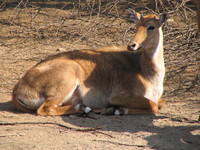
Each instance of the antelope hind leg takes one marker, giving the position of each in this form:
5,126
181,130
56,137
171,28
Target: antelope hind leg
50,108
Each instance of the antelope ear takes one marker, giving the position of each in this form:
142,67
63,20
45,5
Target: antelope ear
135,16
162,19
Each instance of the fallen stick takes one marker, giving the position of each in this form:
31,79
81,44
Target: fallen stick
52,123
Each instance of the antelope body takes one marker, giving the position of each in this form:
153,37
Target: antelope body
111,80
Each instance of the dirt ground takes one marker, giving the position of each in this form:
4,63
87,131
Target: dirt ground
30,31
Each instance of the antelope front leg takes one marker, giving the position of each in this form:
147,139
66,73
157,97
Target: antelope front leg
134,105
128,111
152,110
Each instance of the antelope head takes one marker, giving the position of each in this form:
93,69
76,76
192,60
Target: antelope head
148,33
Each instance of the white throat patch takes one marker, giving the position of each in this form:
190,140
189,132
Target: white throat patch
154,92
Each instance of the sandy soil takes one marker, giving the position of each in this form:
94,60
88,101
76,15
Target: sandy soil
29,34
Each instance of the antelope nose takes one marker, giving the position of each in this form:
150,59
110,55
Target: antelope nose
134,46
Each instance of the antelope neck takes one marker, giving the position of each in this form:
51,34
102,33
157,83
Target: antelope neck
153,62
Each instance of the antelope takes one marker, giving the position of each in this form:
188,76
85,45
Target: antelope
110,81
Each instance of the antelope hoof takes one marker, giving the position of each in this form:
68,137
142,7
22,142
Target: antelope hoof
108,111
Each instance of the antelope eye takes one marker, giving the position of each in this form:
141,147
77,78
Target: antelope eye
150,28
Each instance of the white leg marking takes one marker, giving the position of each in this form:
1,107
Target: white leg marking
77,106
117,112
126,112
87,110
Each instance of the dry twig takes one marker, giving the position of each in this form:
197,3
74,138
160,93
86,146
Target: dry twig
52,123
